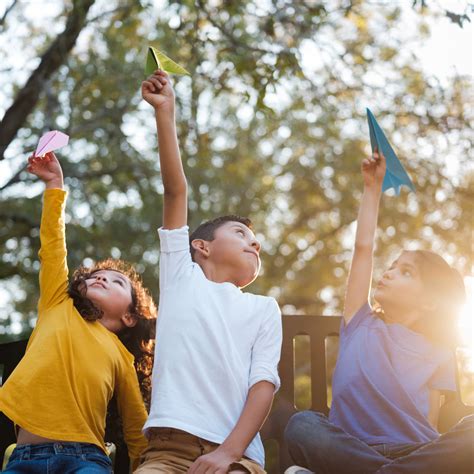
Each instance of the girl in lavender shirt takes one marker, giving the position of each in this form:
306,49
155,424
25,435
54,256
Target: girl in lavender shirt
395,360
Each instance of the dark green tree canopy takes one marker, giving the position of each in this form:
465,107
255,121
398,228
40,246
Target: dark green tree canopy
271,125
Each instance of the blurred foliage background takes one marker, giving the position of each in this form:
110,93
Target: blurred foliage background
271,125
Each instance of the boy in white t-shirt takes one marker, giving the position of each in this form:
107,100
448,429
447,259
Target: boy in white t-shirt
217,348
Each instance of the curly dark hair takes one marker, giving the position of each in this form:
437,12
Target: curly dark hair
139,339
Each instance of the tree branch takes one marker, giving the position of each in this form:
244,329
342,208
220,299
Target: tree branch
7,11
14,179
51,60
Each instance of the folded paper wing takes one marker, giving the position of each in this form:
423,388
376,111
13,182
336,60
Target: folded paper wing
395,175
51,141
157,60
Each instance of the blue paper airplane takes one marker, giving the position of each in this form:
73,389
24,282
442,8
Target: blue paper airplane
395,175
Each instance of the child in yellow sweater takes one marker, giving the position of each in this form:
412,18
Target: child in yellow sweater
80,354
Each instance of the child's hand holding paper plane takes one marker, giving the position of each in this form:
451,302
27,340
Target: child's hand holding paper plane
395,176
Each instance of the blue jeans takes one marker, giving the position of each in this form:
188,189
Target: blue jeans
320,446
59,458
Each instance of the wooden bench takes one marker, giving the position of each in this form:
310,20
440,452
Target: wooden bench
317,329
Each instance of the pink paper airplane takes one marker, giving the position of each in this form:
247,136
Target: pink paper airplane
51,141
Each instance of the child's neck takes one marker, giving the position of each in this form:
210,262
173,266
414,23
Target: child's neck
113,325
218,274
407,317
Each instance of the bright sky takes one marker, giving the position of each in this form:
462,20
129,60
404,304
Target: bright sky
449,50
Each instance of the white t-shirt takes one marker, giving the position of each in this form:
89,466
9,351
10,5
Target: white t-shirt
213,342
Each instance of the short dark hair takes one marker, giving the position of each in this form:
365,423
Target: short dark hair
207,229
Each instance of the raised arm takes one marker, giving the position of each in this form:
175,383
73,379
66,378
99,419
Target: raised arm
360,276
158,92
53,271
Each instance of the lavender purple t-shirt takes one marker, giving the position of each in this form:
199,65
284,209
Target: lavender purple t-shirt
382,381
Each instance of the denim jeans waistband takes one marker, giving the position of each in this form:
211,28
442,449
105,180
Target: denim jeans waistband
70,448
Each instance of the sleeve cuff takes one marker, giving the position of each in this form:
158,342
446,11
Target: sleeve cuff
174,240
264,376
53,191
54,196
363,312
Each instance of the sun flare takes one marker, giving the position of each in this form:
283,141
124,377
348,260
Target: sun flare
466,325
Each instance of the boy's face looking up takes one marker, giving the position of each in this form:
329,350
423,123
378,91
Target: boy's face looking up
232,255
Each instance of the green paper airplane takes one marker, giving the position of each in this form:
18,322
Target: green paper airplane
157,60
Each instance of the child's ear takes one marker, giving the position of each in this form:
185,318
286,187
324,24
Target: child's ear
129,321
201,246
